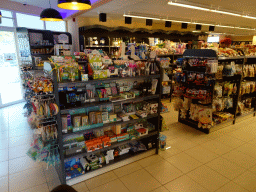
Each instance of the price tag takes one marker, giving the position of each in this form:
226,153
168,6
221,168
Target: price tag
79,150
76,111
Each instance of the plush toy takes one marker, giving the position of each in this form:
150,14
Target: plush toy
205,118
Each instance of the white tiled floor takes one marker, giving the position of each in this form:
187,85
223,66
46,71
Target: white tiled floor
223,161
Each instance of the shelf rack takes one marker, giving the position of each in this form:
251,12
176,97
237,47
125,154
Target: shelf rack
121,160
243,60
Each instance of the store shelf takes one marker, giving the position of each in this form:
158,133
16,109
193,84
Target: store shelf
251,57
246,114
41,46
231,58
67,111
83,83
132,121
117,162
114,145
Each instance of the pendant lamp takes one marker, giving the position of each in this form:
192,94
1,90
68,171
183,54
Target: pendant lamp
50,14
0,14
74,4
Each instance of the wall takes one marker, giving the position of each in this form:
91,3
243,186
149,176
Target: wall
136,23
72,28
242,38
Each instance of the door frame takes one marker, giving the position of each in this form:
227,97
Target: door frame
12,29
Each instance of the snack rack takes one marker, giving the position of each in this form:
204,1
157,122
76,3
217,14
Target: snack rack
120,160
237,79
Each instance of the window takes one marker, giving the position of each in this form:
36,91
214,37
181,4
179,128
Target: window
6,13
6,22
59,26
29,21
213,39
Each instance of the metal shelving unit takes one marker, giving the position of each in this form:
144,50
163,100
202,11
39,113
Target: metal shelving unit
243,60
117,162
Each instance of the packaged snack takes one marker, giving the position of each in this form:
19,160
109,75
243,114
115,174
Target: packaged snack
77,121
85,120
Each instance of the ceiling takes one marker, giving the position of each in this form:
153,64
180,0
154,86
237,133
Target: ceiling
159,8
46,4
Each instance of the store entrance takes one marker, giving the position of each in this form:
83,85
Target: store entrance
10,82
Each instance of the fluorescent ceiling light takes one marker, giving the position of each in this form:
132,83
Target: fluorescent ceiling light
209,9
227,13
140,17
249,17
153,18
188,6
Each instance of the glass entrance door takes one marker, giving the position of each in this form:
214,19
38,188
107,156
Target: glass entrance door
10,82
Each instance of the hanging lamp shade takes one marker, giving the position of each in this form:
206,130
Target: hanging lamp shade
0,14
74,4
50,15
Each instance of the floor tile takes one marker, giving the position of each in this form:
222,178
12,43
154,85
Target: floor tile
20,132
21,164
4,168
231,186
26,179
182,144
185,184
80,187
51,174
242,135
115,185
208,178
169,152
127,169
226,168
248,149
141,181
160,189
240,158
184,162
53,184
230,141
22,140
4,143
216,147
247,180
100,180
150,160
4,154
164,172
201,154
4,135
39,188
4,184
18,151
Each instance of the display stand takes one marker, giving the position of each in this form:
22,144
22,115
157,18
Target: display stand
119,160
237,79
170,69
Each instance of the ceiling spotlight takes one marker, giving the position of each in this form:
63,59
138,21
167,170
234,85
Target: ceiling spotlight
198,27
211,28
168,24
74,4
149,22
103,17
128,20
184,25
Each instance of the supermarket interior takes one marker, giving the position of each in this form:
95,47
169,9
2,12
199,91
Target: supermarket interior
127,95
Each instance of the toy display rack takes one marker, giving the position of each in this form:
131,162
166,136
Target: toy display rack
242,60
120,160
172,65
